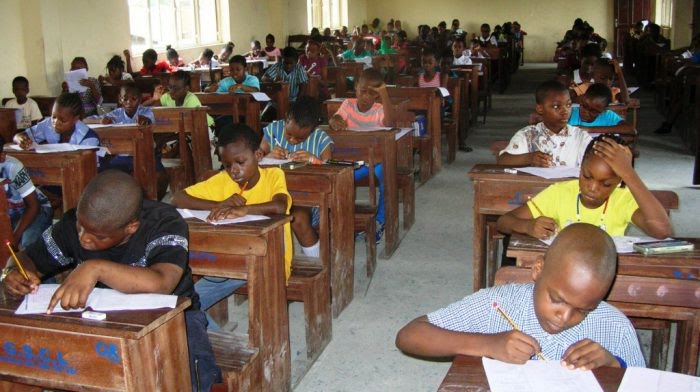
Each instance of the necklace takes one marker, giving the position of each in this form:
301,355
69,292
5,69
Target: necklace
602,216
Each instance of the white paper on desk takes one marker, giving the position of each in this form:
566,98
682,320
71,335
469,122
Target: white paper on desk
402,132
551,172
623,243
60,147
261,97
651,380
73,79
101,300
370,129
538,376
203,214
273,162
444,92
98,126
631,90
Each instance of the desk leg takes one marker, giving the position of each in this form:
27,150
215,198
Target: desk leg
479,269
342,243
391,200
686,353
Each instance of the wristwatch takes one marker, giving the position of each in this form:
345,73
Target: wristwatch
5,272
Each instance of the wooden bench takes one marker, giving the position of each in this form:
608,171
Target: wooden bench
236,360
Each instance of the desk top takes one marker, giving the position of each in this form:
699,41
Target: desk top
467,374
251,228
493,171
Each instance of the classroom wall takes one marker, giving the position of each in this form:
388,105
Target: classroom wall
682,31
357,12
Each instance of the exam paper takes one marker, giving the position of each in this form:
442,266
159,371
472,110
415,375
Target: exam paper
623,243
273,162
260,97
73,79
60,147
651,380
402,132
551,172
101,300
203,214
538,376
370,129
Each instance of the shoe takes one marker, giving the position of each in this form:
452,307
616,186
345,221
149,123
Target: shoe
379,233
464,148
664,128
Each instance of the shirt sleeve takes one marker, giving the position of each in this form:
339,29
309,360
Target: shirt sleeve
252,81
211,189
169,243
343,109
37,132
278,185
518,144
628,205
466,315
547,201
51,253
21,182
34,111
611,117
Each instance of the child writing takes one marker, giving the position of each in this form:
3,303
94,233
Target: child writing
255,51
64,126
270,50
174,59
115,73
605,71
593,114
239,81
129,111
151,65
299,139
226,52
205,59
289,70
365,112
241,188
561,315
30,109
316,65
90,97
116,239
551,142
594,198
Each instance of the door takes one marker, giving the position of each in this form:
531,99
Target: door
627,13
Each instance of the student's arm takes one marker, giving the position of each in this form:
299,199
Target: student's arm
536,158
31,210
15,284
624,94
305,156
127,59
520,220
651,216
155,99
244,88
278,205
386,103
424,339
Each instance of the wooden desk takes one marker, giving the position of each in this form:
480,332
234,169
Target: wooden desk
130,351
136,141
496,193
333,184
70,170
253,251
467,374
234,105
8,124
6,230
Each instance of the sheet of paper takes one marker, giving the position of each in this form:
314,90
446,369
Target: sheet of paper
623,243
260,97
444,92
402,132
538,376
650,380
73,79
203,214
551,172
631,90
98,126
273,161
101,300
60,147
369,129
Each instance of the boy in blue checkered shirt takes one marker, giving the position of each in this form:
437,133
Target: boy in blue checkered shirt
561,315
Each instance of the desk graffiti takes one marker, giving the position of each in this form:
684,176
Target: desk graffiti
199,255
41,360
35,172
109,351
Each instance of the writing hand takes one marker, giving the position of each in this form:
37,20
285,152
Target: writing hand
75,289
337,123
587,355
301,156
143,120
158,91
542,227
236,200
16,285
219,213
24,141
106,120
278,153
211,88
85,82
512,347
540,159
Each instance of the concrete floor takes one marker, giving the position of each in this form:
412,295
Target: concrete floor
432,266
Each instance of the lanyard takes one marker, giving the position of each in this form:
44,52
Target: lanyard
602,217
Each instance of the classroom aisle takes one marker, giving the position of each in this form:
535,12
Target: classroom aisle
432,266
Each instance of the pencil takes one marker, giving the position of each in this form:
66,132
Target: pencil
529,198
14,256
243,188
512,324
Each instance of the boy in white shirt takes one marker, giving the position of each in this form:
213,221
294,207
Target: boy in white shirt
30,110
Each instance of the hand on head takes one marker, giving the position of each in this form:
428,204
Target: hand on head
617,156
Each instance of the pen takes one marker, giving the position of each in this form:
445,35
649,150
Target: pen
14,256
515,327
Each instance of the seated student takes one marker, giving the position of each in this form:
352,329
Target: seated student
270,50
30,109
205,60
595,198
226,52
460,52
593,114
241,188
116,239
316,65
255,51
605,71
486,39
151,65
561,315
91,97
288,70
29,209
174,59
178,94
129,111
239,81
579,86
358,51
115,73
64,126
551,142
365,112
429,75
298,138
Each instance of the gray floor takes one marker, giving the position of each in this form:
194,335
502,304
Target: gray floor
432,266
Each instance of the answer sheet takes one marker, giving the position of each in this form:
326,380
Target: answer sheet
651,380
203,214
551,172
538,376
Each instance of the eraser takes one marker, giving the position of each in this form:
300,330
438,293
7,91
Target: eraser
510,171
99,316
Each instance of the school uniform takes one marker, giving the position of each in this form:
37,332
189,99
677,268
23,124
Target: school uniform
317,141
119,115
296,77
566,147
464,59
30,112
606,119
190,101
44,132
249,80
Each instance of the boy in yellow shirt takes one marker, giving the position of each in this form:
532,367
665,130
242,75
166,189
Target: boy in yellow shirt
241,188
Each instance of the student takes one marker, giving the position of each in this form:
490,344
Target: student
561,315
255,51
226,52
115,73
178,94
365,112
429,75
270,50
206,60
29,209
288,70
316,65
91,97
116,239
30,109
241,188
174,59
551,142
298,138
64,126
239,81
595,198
358,51
604,71
486,39
460,52
593,114
151,65
129,111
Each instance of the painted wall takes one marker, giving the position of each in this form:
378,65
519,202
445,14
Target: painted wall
682,31
357,12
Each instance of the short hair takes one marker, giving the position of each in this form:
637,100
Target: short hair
289,52
20,79
79,59
599,91
605,63
150,54
256,43
371,76
596,254
130,89
460,39
306,112
237,59
181,75
208,53
229,46
238,132
271,37
442,24
548,87
115,62
71,101
591,49
486,25
111,200
171,53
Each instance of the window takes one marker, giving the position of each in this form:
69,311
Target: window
327,13
179,23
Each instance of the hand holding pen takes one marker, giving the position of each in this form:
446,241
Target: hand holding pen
277,151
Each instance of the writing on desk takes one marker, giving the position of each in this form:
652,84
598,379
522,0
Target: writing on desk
40,360
199,255
35,172
109,351
300,193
